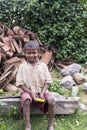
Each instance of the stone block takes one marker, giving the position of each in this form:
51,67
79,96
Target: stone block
62,106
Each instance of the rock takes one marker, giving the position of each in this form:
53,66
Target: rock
82,108
71,69
62,106
83,96
75,91
79,78
67,82
86,76
67,106
84,87
86,65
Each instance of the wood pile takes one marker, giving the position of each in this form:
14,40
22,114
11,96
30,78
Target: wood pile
59,65
12,42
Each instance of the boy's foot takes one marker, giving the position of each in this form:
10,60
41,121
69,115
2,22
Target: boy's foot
50,127
27,128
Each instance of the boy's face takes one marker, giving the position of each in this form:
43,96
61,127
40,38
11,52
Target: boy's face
31,55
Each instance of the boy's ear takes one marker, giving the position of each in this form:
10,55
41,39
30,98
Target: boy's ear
39,55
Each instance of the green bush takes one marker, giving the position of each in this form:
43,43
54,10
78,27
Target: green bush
61,23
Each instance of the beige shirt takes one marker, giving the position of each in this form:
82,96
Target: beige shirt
34,77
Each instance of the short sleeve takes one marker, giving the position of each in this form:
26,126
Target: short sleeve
48,78
19,77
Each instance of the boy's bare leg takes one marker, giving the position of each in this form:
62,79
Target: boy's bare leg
51,104
26,113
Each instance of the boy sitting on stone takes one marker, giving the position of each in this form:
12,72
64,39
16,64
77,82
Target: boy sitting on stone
34,78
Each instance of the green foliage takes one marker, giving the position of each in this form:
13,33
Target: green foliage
2,124
61,23
11,113
55,87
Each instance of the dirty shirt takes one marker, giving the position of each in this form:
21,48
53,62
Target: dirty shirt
34,77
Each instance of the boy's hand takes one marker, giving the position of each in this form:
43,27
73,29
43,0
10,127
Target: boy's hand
34,95
41,95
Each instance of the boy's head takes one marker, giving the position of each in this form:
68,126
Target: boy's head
31,44
31,50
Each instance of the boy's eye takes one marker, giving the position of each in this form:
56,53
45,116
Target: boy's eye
31,53
34,52
28,53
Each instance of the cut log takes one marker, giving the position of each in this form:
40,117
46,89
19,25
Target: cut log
11,88
13,60
1,44
16,29
9,32
26,38
6,48
46,57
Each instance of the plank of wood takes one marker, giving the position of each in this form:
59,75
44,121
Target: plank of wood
13,60
13,48
13,75
5,75
16,46
20,46
38,40
3,83
9,68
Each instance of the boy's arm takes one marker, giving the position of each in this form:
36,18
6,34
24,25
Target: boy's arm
44,90
48,81
25,89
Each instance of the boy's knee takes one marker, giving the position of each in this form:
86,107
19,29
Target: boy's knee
27,103
51,100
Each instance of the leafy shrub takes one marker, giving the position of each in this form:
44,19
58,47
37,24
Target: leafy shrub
61,23
55,87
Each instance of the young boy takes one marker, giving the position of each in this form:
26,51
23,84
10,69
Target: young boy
34,78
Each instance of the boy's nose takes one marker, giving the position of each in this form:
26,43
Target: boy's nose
31,55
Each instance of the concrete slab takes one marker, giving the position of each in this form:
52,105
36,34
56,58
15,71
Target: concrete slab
62,106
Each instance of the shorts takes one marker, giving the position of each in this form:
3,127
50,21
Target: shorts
42,106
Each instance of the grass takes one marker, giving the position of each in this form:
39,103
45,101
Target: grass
39,122
76,121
